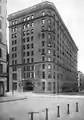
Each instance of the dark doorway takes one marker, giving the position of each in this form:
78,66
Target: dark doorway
28,86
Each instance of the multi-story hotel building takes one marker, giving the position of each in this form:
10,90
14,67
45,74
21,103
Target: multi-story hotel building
42,51
3,47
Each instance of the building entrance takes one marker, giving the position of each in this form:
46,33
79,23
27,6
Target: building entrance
1,88
28,86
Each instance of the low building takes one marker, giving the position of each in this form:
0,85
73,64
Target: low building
80,81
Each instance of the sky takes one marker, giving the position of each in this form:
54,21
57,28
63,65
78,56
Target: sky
72,13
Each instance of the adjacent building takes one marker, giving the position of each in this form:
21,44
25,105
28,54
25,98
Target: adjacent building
80,81
42,53
3,47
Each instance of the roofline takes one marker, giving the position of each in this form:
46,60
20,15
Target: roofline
32,9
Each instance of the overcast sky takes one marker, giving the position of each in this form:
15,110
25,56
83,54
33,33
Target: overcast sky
72,13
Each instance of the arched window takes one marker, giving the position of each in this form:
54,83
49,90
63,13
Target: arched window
0,53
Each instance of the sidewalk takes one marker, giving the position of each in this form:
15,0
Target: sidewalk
9,97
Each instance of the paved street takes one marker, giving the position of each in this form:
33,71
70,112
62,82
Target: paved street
19,108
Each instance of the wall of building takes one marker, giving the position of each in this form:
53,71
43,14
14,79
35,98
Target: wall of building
3,43
51,41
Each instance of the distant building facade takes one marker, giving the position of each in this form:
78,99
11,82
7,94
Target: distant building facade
3,47
80,81
42,53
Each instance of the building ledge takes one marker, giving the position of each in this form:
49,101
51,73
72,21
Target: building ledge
3,74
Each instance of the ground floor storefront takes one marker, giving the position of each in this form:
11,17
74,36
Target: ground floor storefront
3,86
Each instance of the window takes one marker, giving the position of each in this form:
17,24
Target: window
58,35
14,76
15,21
32,74
49,66
27,39
49,21
24,33
32,38
49,36
43,66
28,25
14,69
12,49
23,60
24,19
57,48
43,21
32,31
49,74
43,13
28,32
12,62
43,35
32,45
15,61
53,52
32,53
12,42
15,55
24,75
32,67
1,68
28,60
49,58
43,75
28,53
49,28
49,51
43,43
57,55
23,53
32,24
32,16
57,75
49,86
15,29
15,35
43,58
28,46
27,17
43,85
53,37
15,42
32,60
0,52
43,51
24,40
54,75
49,45
24,27
24,47
42,28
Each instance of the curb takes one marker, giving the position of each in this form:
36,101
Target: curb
13,99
